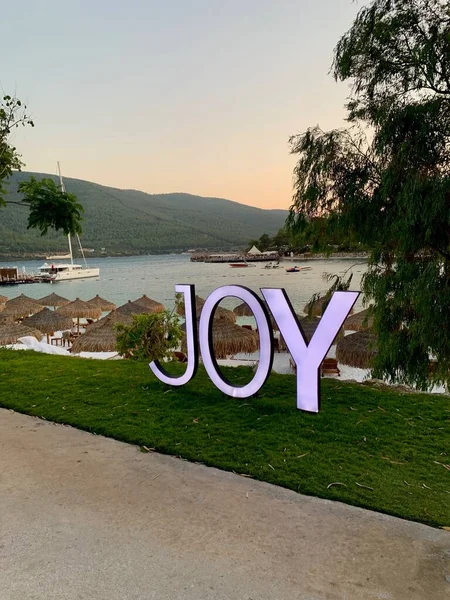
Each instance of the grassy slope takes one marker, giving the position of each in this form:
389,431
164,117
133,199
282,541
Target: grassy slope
128,220
380,439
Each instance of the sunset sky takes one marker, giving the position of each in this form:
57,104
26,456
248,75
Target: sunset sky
195,96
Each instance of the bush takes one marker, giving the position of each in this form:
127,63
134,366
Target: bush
150,336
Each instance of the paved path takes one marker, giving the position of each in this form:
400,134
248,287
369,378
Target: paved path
84,517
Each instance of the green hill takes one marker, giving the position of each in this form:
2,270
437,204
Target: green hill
132,222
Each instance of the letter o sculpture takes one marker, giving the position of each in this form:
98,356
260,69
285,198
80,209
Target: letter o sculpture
265,340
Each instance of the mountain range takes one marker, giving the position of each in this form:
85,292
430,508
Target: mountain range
131,222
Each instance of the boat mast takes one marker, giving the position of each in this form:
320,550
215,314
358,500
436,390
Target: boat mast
63,189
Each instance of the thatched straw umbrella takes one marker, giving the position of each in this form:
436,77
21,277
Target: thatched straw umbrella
113,317
6,318
101,303
28,298
133,308
48,321
11,332
357,350
309,326
229,338
78,309
3,300
361,321
199,303
316,307
19,307
100,339
243,310
53,300
152,305
299,318
220,314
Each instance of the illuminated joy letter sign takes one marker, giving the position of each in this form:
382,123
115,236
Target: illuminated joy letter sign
307,357
265,341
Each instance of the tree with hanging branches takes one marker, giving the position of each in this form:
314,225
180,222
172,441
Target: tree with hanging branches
49,207
386,176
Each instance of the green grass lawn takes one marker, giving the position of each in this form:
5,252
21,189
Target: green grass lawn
378,449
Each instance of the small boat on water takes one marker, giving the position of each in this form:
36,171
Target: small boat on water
298,269
271,265
240,265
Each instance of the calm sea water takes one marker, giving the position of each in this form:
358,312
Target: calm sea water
127,278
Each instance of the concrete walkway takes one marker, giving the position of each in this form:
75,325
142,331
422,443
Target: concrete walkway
87,518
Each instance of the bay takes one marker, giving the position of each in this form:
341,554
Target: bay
126,278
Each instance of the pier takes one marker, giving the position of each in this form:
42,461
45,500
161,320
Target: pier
11,276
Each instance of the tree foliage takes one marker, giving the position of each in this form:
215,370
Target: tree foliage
387,176
49,206
310,235
13,114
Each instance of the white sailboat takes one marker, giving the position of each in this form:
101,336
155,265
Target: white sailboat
64,271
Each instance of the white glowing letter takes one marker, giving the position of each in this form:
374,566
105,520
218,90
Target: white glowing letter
265,340
191,339
308,357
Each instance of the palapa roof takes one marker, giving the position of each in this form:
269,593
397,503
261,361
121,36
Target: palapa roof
357,349
361,321
101,303
21,306
243,310
113,317
79,308
220,314
28,298
133,308
316,308
48,321
229,338
6,318
300,318
152,305
309,326
53,300
254,250
11,332
100,339
199,303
